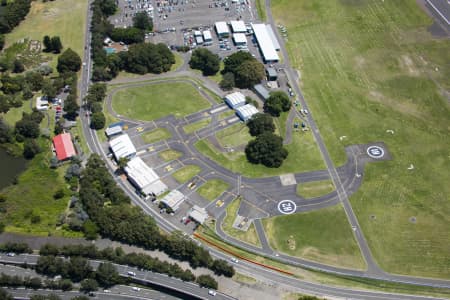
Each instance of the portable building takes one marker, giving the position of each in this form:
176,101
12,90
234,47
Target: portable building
222,29
246,112
238,27
240,39
271,74
199,40
207,37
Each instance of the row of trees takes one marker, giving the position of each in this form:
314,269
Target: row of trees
12,14
120,221
52,44
15,247
4,295
94,99
34,283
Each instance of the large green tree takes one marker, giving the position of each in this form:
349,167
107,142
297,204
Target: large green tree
98,120
277,102
232,62
260,123
69,61
249,73
266,149
204,60
107,275
142,20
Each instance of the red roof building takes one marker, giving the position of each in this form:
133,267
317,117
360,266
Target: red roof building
63,146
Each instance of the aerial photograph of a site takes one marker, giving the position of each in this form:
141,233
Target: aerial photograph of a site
224,149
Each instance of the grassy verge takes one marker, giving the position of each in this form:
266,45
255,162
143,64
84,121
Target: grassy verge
322,235
238,277
315,188
250,236
227,113
212,189
156,135
197,125
155,101
235,135
178,62
168,155
370,61
323,278
52,18
186,173
261,9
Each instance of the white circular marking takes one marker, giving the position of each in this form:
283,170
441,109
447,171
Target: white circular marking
375,152
287,207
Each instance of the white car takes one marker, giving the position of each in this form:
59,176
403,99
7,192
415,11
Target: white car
233,259
10,254
212,292
131,273
136,289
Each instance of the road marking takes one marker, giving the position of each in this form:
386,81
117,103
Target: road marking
287,207
217,109
375,152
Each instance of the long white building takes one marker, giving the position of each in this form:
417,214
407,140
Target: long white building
235,99
246,112
265,43
122,146
144,178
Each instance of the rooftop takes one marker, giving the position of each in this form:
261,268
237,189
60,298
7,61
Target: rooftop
238,26
173,199
221,27
63,146
122,146
265,42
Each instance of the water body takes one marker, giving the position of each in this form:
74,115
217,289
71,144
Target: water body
10,167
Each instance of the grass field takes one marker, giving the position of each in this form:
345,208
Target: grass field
156,135
366,67
303,156
212,189
315,188
187,172
155,101
197,125
322,235
235,135
33,196
250,236
170,154
52,18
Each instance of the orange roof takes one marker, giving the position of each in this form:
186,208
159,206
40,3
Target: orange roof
63,146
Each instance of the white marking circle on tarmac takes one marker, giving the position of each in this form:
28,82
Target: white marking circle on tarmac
287,207
375,152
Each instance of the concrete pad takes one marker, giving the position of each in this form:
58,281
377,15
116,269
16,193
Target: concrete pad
288,179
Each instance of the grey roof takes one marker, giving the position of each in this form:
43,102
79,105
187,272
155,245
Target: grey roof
271,72
262,91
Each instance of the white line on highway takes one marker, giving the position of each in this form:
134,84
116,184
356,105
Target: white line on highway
439,12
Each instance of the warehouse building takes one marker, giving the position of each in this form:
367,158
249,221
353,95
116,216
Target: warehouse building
63,146
122,147
240,39
238,27
144,178
173,200
222,29
273,37
235,100
265,43
246,112
198,214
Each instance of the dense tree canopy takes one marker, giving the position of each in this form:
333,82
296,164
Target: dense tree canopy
228,82
249,73
232,62
147,58
266,149
278,102
204,60
260,123
128,35
12,14
142,20
69,61
98,120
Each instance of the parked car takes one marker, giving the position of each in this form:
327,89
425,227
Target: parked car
130,273
212,292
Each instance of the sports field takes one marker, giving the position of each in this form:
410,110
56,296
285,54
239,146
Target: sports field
369,66
154,101
64,18
322,235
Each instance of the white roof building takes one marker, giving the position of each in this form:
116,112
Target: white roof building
239,39
197,33
144,178
273,37
265,43
199,40
122,146
41,104
235,99
173,199
198,214
238,27
112,131
246,112
207,36
222,29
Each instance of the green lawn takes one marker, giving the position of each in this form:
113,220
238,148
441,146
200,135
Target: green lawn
155,101
315,188
33,196
212,189
303,156
15,113
168,155
64,18
227,113
156,135
250,236
368,66
261,8
186,173
178,62
235,135
322,235
197,125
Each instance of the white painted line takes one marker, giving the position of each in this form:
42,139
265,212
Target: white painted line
233,120
218,109
439,12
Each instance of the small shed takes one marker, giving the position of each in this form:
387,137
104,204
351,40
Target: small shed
173,199
222,29
272,74
246,112
238,27
240,39
261,91
113,131
199,40
207,37
198,214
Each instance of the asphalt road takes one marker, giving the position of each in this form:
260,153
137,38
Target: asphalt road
294,284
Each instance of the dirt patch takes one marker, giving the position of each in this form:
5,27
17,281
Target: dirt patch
407,63
404,107
360,61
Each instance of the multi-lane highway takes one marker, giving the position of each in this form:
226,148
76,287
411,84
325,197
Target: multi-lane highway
289,282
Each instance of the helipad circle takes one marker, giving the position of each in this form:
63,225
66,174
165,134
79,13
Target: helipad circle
287,207
375,152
